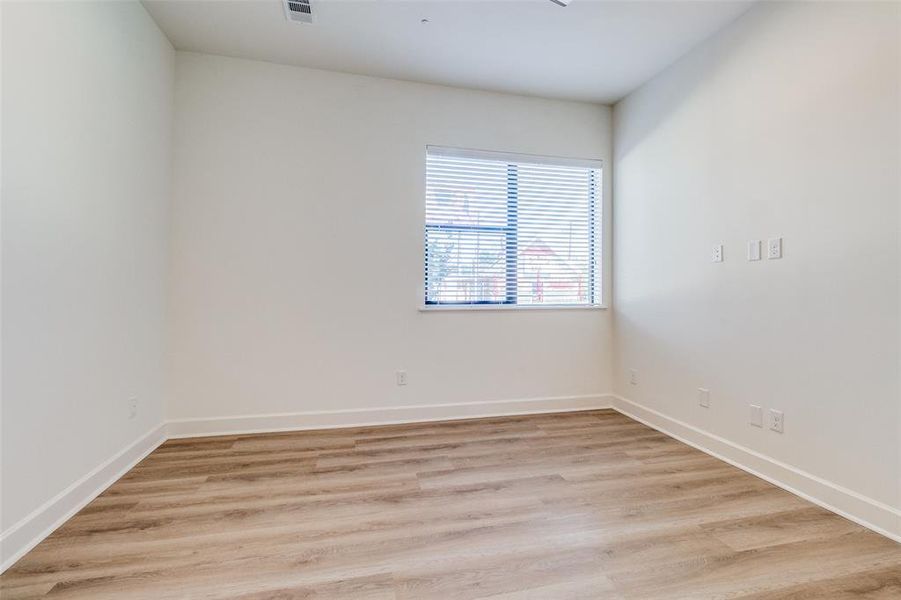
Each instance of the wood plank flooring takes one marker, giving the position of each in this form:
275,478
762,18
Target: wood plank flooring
562,506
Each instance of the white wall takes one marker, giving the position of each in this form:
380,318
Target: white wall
297,256
86,149
784,124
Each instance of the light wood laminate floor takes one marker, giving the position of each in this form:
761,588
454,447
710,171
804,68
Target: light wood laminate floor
578,505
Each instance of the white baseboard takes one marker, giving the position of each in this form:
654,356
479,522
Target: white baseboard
16,541
391,415
870,513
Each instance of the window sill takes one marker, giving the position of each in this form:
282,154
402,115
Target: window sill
507,307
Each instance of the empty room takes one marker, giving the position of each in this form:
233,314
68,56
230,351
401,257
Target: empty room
450,299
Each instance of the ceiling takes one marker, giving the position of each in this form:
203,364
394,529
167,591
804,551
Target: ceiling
591,50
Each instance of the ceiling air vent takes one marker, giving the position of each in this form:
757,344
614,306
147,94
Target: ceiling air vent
298,11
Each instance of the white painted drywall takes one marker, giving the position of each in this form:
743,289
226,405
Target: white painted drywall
297,248
786,124
86,187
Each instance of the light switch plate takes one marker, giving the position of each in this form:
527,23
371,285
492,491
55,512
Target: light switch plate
755,416
754,250
704,397
774,248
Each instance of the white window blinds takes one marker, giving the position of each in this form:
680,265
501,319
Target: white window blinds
511,229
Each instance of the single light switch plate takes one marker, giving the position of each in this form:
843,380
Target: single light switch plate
717,255
774,248
777,420
755,416
633,376
704,397
401,378
754,250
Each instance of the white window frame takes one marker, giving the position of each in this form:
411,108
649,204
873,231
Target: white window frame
598,208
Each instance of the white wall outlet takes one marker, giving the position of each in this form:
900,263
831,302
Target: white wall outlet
132,407
755,416
401,378
774,248
777,420
754,250
717,255
633,376
704,397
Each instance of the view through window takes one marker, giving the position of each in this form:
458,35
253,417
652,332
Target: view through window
511,229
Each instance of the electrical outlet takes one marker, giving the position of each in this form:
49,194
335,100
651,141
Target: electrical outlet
777,420
132,407
704,397
755,416
633,376
401,378
774,248
717,255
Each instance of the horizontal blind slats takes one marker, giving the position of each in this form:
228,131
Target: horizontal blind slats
504,231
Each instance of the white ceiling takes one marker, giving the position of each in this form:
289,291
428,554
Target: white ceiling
593,50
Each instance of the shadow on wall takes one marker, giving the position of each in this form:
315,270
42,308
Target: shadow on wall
674,89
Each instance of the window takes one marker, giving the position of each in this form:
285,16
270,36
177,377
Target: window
511,229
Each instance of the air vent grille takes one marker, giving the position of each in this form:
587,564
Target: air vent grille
298,11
